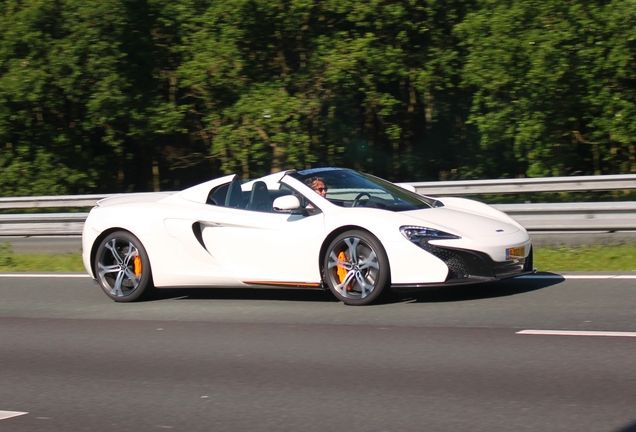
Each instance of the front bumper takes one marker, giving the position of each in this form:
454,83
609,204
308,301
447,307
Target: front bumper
468,267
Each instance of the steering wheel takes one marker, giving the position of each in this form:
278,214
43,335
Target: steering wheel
356,201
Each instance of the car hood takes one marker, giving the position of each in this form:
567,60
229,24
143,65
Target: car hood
461,222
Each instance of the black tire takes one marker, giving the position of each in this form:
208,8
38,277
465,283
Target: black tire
122,267
356,268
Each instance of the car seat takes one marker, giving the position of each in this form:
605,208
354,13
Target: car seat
260,199
234,198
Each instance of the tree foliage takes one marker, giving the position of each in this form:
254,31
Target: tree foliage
125,95
553,85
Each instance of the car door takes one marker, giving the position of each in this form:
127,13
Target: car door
266,247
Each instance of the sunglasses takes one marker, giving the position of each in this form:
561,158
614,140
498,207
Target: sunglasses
321,189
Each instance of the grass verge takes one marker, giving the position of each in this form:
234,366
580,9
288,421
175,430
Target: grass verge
12,262
595,258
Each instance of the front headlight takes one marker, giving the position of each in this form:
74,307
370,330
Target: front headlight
421,235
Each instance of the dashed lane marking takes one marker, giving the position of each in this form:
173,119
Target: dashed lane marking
576,333
9,414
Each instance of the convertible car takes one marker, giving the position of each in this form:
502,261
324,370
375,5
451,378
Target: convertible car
365,237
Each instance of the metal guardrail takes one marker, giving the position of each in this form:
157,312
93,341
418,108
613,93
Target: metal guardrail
49,224
605,216
616,216
527,185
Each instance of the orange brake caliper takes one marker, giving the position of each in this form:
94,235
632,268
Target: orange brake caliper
137,264
342,272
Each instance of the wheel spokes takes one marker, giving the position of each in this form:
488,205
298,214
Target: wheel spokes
122,275
111,246
352,245
104,270
362,282
117,290
361,264
334,261
370,261
342,287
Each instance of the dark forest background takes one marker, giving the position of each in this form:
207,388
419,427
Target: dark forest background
139,95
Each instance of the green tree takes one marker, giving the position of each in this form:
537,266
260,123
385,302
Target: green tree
551,82
85,96
294,83
126,95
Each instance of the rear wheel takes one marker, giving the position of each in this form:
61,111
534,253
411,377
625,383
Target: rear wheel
356,268
123,268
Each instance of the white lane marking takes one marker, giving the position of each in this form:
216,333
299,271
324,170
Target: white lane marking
43,275
582,277
576,333
9,414
599,276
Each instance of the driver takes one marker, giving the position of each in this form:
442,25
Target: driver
318,185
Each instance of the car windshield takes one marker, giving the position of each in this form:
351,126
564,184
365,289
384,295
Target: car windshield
348,188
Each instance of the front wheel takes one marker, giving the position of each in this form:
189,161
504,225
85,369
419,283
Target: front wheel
123,268
356,268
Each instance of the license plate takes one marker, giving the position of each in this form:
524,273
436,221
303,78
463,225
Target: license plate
516,252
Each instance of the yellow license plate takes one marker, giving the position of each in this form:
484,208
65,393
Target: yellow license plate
516,252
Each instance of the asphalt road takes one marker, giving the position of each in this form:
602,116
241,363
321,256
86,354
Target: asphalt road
248,360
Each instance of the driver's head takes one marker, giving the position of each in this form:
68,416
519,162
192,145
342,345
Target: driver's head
318,185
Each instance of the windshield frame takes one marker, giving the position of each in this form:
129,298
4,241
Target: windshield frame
346,187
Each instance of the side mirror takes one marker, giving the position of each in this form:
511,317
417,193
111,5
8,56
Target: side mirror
286,203
406,186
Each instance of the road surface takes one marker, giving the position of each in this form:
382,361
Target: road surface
459,359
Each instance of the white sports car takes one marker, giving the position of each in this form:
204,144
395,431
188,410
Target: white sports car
364,237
